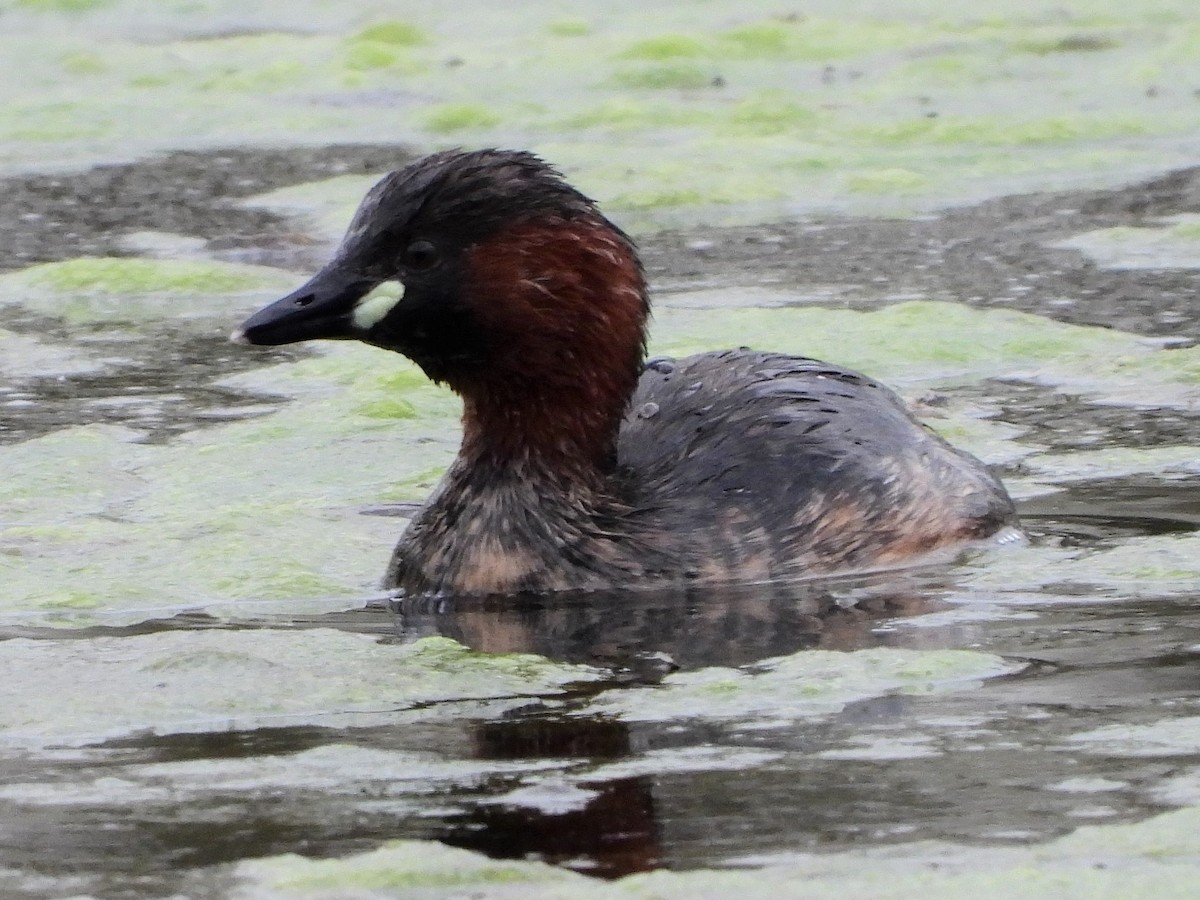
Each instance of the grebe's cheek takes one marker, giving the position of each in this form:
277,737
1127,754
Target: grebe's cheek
374,307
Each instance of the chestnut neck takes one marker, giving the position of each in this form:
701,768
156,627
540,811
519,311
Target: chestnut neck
563,303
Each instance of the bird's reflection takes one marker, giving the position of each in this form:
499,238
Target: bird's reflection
639,636
687,628
616,833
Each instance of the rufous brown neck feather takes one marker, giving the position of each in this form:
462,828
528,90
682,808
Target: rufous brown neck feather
564,305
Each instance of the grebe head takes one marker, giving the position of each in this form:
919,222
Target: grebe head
514,290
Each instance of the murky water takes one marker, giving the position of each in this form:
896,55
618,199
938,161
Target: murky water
720,728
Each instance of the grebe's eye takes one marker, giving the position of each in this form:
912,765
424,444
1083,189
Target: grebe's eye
421,255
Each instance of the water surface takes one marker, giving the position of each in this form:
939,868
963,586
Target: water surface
204,692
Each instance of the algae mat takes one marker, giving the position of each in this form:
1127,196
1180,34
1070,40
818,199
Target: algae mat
665,111
205,695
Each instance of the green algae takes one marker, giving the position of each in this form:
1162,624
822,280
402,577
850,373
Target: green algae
1182,789
402,34
666,46
278,583
169,682
241,511
82,469
1154,566
921,344
155,538
1171,737
454,117
23,357
940,340
400,866
651,198
771,113
569,28
246,510
440,654
53,122
816,39
1076,42
386,408
764,39
83,64
1188,231
1001,132
256,78
235,64
881,181
1150,858
121,275
369,55
62,5
336,770
666,185
629,113
1171,245
969,427
664,76
74,600
127,289
809,39
759,122
390,878
326,205
316,73
811,683
1117,462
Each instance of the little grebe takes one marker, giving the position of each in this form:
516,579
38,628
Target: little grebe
583,466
